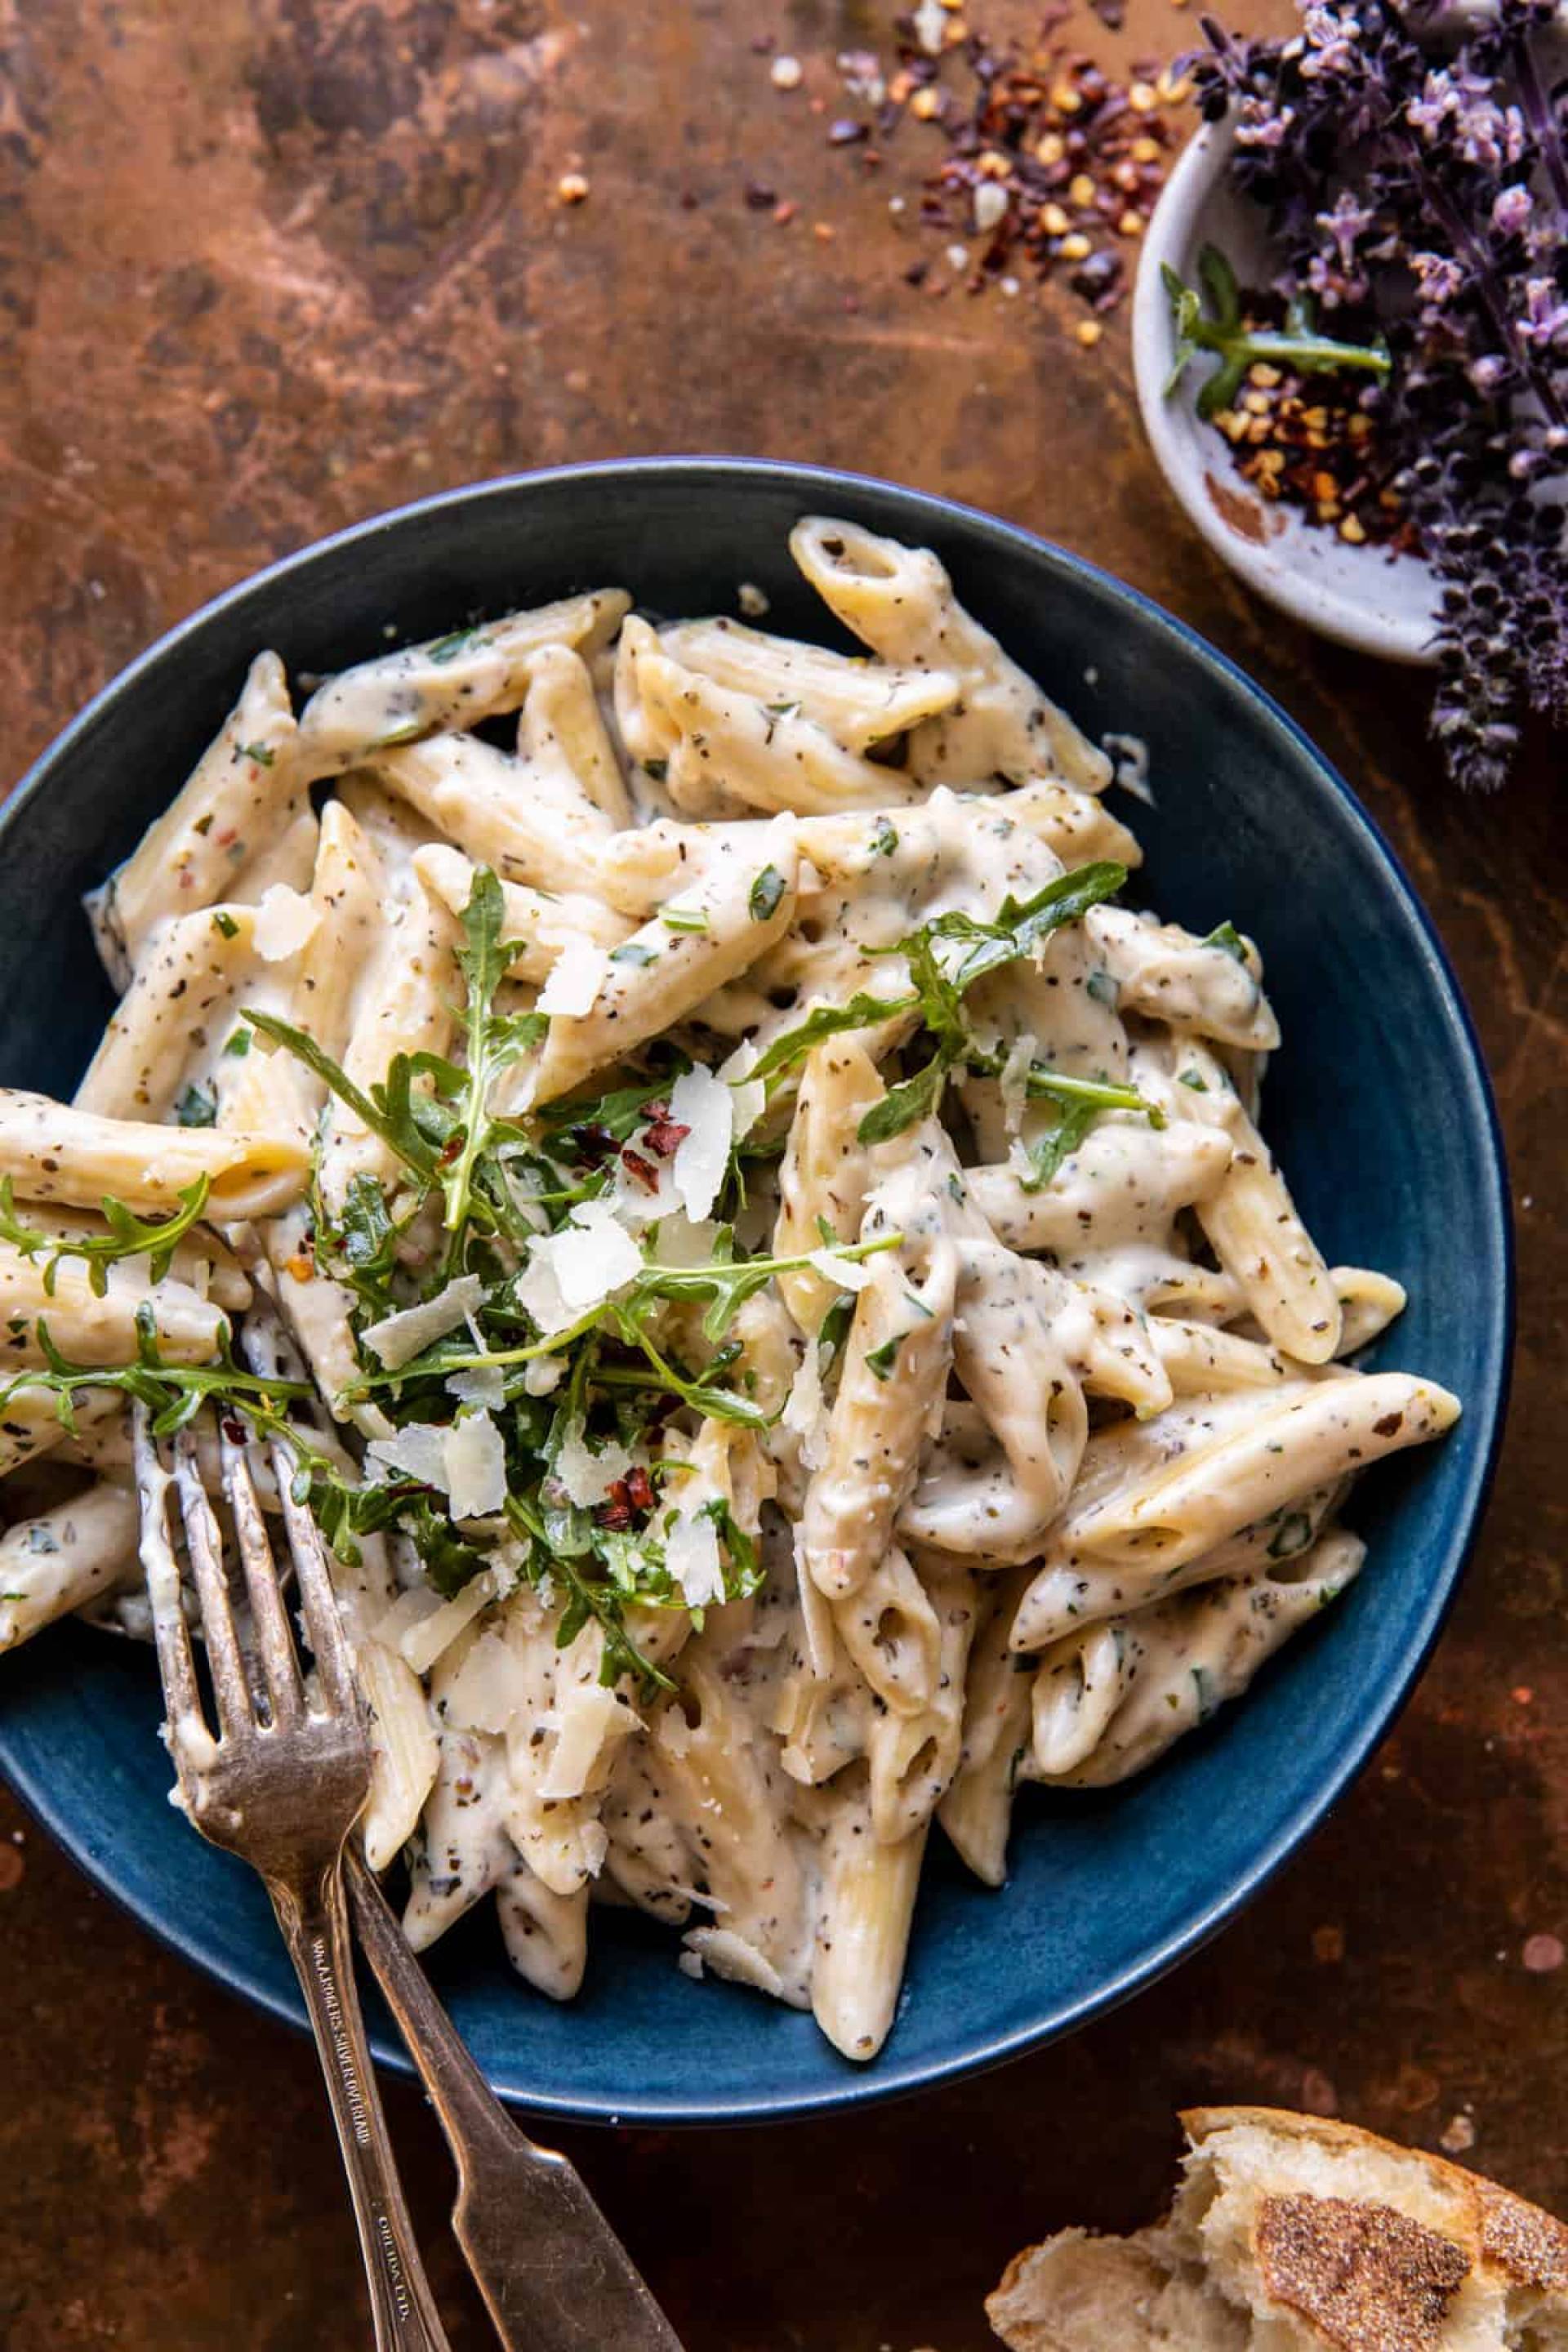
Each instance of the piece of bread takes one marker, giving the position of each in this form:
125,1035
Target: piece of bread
1293,2235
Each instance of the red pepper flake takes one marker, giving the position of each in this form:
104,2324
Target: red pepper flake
760,197
616,1514
644,1172
639,1489
232,1429
1073,153
452,1148
665,1136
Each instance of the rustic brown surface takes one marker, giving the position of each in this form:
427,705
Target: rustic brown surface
270,264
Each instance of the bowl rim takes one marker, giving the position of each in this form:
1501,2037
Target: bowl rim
1362,624
887,2077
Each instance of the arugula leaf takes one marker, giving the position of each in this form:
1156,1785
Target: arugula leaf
862,1012
494,1042
1227,936
942,981
1048,1151
127,1236
386,1110
910,1099
172,1393
884,836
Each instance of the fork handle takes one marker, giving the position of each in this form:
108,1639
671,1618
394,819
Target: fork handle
315,1928
553,2272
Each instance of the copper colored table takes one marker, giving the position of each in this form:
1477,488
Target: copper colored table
268,266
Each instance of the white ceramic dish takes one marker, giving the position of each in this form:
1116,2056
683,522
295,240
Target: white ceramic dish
1380,603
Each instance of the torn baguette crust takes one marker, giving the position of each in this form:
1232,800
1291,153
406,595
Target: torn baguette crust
1291,2233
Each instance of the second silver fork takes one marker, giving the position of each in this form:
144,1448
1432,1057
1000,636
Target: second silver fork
282,1785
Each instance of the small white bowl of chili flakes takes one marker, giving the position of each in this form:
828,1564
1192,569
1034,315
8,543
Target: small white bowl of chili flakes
1286,482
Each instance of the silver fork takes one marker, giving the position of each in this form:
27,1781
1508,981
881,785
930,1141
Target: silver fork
281,1786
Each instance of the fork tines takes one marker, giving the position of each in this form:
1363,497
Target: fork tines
256,1670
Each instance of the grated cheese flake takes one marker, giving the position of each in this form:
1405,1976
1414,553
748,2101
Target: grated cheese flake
586,1476
705,1104
750,1095
285,921
845,1273
417,1450
476,1467
577,1269
398,1339
691,1556
576,979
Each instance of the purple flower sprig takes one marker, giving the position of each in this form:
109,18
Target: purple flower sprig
1419,161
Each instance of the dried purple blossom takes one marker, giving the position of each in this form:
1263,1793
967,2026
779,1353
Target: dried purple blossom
1433,182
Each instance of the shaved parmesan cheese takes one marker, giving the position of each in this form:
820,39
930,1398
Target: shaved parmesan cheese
405,1612
483,1385
398,1339
730,1955
284,922
576,979
633,1203
577,1269
476,1467
1014,1081
423,1643
750,1095
590,1726
417,1450
544,1375
487,1689
586,1476
846,1273
804,1409
681,1243
592,1255
691,1555
705,1104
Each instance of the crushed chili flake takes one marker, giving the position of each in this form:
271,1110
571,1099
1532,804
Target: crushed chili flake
1315,443
639,1488
644,1172
665,1136
1049,159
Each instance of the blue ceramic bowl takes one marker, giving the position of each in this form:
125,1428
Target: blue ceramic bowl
1378,1106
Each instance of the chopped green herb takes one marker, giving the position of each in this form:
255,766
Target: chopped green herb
238,1044
224,921
1228,937
767,892
1191,1078
1293,1535
884,836
637,952
198,1107
880,1360
260,752
447,650
684,918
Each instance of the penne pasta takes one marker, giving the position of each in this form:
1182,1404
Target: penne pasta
769,1278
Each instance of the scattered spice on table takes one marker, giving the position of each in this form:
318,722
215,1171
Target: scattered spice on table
1050,165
